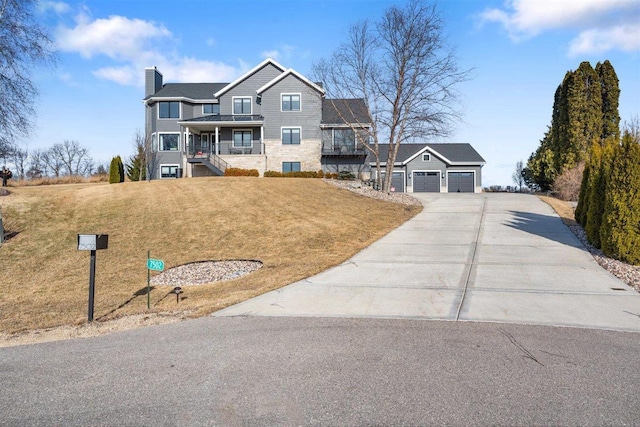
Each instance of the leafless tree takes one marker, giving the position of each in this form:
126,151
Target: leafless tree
37,167
23,43
74,158
151,159
406,73
517,177
20,158
53,162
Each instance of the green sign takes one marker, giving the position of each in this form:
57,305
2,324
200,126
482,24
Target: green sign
155,264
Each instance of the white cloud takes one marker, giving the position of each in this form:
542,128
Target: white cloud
593,19
282,53
624,37
134,44
57,7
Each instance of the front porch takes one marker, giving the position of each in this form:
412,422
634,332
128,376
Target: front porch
224,136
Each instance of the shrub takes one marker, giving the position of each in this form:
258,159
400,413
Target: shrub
241,172
346,176
297,174
331,175
116,171
567,184
320,173
273,174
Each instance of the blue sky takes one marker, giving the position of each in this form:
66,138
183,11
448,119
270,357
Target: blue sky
520,51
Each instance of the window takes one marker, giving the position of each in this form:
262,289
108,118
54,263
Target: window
344,139
291,102
169,142
210,108
291,135
242,138
169,110
242,105
169,171
426,157
290,167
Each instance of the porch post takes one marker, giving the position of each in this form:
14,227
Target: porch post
186,143
262,139
217,142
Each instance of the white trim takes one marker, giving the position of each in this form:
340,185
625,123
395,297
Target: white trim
233,139
233,98
463,171
156,99
287,73
289,94
177,166
290,127
171,118
247,75
168,133
438,171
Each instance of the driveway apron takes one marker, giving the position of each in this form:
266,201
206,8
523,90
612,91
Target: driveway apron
490,257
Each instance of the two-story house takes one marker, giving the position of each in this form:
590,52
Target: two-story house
270,118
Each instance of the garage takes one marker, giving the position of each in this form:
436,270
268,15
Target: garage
397,181
460,182
426,182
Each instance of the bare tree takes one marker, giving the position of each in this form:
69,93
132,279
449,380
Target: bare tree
23,43
53,162
517,176
6,150
74,158
37,167
20,158
151,160
403,69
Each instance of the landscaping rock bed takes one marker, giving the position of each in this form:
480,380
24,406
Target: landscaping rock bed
629,274
364,190
199,273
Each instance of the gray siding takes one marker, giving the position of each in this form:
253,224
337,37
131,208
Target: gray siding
248,87
152,81
308,118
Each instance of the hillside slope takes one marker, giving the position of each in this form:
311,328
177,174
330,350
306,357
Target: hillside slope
296,227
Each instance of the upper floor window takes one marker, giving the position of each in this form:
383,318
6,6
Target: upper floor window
291,135
242,105
291,102
210,108
169,110
426,157
169,142
344,138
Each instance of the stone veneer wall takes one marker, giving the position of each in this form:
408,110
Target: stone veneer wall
308,153
249,161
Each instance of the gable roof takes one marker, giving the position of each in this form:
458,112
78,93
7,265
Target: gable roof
249,74
290,72
343,111
451,153
190,91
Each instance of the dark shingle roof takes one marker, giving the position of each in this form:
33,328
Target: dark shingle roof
335,111
454,152
189,90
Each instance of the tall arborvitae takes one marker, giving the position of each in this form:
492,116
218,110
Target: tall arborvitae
116,171
620,231
600,163
584,103
610,99
583,200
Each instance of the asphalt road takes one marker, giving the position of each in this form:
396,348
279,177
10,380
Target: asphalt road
301,371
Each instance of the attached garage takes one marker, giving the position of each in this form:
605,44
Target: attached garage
460,182
397,182
426,182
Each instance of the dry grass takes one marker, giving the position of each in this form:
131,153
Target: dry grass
562,208
296,227
69,179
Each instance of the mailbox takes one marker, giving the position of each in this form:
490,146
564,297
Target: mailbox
92,242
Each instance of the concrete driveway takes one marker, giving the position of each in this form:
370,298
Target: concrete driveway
469,257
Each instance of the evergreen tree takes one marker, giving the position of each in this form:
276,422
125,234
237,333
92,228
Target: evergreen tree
116,171
600,166
583,199
610,92
136,170
620,231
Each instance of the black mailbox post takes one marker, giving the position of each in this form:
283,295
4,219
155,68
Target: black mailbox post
92,242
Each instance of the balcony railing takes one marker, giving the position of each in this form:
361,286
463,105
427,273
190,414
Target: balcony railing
226,148
343,150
